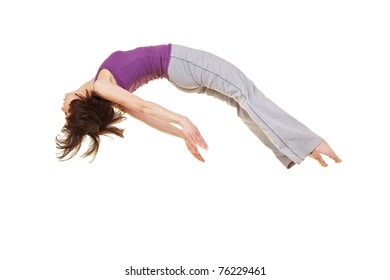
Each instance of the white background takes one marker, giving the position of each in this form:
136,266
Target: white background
145,201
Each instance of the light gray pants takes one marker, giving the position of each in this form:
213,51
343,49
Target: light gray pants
197,71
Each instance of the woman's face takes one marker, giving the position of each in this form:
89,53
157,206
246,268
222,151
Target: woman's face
69,97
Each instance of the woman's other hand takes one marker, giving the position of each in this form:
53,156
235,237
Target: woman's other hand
192,134
194,151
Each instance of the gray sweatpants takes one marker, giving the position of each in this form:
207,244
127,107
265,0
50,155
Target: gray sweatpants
197,71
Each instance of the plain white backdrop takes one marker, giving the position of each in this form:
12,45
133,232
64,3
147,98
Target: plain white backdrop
144,201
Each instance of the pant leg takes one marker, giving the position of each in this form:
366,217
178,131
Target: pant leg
197,71
288,163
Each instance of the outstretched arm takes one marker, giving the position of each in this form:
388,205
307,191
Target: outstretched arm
84,89
155,123
166,128
118,95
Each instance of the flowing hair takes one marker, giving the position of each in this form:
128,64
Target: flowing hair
91,116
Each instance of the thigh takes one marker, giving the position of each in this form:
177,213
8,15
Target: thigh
191,68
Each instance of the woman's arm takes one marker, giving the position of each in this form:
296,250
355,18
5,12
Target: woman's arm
85,89
166,128
87,86
155,123
118,95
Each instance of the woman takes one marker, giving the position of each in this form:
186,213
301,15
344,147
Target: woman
90,109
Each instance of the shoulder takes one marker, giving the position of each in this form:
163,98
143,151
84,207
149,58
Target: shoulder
105,75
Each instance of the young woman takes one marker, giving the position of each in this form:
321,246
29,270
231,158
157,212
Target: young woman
93,108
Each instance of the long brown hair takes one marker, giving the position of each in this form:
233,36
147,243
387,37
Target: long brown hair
91,116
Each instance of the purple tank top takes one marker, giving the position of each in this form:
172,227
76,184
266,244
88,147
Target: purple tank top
134,68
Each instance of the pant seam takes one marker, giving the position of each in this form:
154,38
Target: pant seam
240,90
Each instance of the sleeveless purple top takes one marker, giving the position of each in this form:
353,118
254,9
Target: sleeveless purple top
134,68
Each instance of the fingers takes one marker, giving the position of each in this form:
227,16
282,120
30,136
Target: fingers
198,156
197,140
193,135
202,142
194,151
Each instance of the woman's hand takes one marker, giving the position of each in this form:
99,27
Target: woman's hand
192,134
194,151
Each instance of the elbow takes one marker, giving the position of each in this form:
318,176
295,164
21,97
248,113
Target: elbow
136,105
142,107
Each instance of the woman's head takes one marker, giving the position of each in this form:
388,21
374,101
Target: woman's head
69,97
88,115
